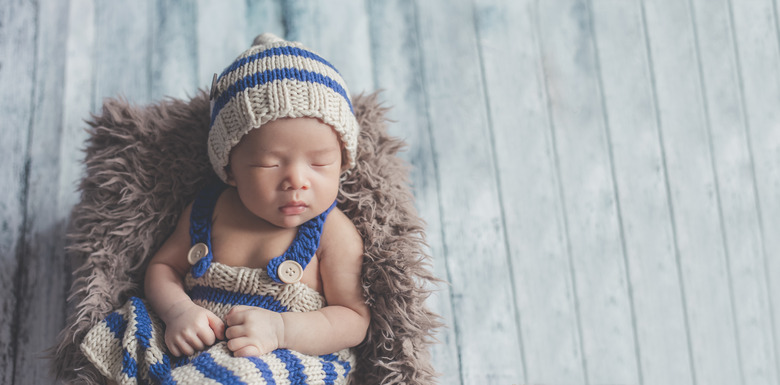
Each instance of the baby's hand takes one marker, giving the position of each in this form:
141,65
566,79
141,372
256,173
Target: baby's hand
253,331
190,328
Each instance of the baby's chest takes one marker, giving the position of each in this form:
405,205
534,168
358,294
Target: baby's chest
248,247
255,249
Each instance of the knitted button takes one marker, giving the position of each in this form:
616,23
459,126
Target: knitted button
290,271
198,251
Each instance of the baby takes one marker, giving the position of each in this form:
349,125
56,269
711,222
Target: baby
261,279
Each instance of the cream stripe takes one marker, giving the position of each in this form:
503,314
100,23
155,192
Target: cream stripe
278,62
189,375
277,367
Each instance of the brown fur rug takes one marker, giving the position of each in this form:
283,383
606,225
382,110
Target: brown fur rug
145,164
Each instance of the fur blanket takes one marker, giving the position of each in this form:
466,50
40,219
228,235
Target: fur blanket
145,164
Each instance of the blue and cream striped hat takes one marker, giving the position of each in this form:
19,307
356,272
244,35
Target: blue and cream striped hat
276,79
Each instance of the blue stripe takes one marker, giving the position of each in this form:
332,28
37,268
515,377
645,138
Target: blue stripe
334,358
265,371
211,294
143,324
160,372
205,364
200,223
279,51
330,372
293,366
117,324
260,78
129,366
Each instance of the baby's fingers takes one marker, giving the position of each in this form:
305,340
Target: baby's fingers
183,347
236,315
195,341
242,347
171,344
217,327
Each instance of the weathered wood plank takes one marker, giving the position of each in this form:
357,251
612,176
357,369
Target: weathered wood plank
41,268
659,318
737,191
398,71
529,186
322,27
756,38
694,194
474,242
264,16
123,50
18,22
174,55
221,36
77,101
588,190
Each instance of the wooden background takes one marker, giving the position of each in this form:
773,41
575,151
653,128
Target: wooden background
600,178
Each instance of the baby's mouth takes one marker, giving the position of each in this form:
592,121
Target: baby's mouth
293,208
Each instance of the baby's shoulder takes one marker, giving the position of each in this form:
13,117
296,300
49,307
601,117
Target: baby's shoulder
340,236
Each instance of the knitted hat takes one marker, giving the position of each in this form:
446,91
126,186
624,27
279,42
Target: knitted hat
276,79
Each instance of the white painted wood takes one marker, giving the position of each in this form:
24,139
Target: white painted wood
396,55
694,194
41,313
532,208
77,100
474,243
337,30
174,54
755,26
222,36
123,50
659,318
17,76
264,16
588,192
736,184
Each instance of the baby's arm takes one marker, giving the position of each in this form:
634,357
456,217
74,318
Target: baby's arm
188,327
341,324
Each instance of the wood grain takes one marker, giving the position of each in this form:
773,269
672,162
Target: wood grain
694,194
640,175
17,74
398,71
588,192
735,177
529,186
472,226
41,313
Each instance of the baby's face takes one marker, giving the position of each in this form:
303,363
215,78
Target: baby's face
287,171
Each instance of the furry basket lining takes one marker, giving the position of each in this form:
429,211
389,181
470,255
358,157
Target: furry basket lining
145,164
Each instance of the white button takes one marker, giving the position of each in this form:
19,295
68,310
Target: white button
290,272
198,251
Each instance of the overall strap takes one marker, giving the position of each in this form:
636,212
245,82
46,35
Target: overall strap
200,223
303,247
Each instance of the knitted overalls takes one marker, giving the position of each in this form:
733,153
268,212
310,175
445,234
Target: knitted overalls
128,346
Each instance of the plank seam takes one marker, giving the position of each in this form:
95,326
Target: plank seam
616,191
713,166
756,195
22,248
494,157
658,125
431,143
559,184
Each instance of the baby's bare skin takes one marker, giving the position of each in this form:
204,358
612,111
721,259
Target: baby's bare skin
281,175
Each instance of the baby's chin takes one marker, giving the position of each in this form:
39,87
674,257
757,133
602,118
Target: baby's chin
291,220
